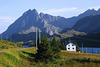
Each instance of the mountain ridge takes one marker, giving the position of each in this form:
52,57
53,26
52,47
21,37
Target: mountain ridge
46,23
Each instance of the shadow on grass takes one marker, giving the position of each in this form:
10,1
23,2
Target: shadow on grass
28,56
87,60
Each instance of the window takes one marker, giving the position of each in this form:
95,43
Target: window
68,45
73,48
72,44
68,48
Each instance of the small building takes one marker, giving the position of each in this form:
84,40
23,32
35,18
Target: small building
71,47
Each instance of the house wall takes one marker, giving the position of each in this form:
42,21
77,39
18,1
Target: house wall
71,47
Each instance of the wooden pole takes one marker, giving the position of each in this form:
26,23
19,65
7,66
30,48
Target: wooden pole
36,39
82,47
39,36
86,49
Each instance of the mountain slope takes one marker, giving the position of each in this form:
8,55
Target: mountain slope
89,24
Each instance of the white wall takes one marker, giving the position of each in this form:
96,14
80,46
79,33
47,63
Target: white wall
71,47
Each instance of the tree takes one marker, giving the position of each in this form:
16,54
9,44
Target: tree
55,48
44,52
77,47
62,46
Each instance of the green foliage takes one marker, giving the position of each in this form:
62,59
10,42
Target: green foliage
62,46
77,47
55,47
44,52
62,63
48,50
4,47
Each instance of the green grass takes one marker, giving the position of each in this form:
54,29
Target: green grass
26,58
8,45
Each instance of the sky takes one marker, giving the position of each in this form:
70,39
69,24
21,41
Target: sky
11,10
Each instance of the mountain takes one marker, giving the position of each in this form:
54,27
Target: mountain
89,12
30,20
89,24
48,24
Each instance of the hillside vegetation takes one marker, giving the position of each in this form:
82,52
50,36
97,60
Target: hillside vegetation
70,33
91,40
26,58
7,45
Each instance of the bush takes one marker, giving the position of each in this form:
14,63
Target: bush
62,63
70,61
4,47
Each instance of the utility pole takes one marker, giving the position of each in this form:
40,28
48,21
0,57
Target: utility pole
82,47
96,51
39,36
86,49
36,39
69,41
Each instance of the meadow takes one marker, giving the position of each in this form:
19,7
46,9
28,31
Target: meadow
25,57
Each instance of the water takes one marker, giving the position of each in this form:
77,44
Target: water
91,50
27,46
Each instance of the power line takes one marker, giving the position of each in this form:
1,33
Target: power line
82,47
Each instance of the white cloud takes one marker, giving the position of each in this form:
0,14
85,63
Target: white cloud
61,10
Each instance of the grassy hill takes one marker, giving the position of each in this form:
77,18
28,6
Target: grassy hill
26,58
7,45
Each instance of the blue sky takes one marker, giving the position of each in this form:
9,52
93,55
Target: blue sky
10,10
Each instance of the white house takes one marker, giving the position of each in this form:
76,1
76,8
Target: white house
71,47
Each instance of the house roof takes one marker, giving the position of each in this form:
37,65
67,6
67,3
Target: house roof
69,43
